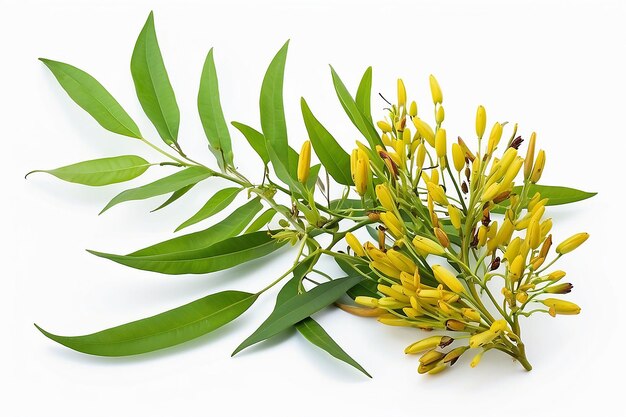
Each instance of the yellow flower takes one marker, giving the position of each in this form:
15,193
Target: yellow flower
392,223
517,268
384,197
530,156
494,137
440,143
384,126
428,343
481,121
401,261
304,162
361,176
440,115
480,339
435,90
437,194
455,216
401,93
413,109
457,157
425,131
448,279
354,244
427,246
561,307
538,167
571,243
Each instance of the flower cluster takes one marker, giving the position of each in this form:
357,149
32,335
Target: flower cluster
450,221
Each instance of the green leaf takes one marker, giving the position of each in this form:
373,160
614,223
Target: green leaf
152,84
171,183
89,94
361,121
217,203
219,256
255,139
262,220
556,195
367,287
167,329
230,226
316,334
364,95
211,114
104,171
331,154
174,196
298,308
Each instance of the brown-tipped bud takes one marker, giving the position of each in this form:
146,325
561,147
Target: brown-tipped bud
389,162
545,248
454,355
563,288
502,197
373,215
466,151
495,264
381,237
362,311
442,237
430,357
516,143
455,325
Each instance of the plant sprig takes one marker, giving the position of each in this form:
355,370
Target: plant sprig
402,182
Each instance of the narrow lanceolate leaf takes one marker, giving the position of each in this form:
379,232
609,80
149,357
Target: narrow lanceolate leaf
361,122
169,184
89,94
104,171
331,154
298,308
262,220
152,84
255,139
167,329
173,197
229,227
217,203
316,334
221,255
364,95
556,195
368,286
211,114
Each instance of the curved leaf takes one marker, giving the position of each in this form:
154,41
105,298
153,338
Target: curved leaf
174,196
221,255
169,184
163,330
331,154
298,308
217,203
152,84
316,334
255,139
89,94
103,171
364,94
262,220
230,226
211,114
361,122
556,195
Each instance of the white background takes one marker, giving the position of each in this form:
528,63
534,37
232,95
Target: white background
554,67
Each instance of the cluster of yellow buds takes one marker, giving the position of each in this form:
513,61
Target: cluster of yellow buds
431,202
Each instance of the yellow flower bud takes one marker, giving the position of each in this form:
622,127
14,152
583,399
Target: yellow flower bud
476,360
384,197
516,268
512,249
431,356
354,157
401,261
386,140
530,156
435,90
498,326
413,109
455,325
425,131
556,275
361,176
521,297
420,156
401,93
428,343
546,226
490,193
440,115
390,271
362,312
366,301
389,292
538,167
561,307
384,126
457,157
505,232
494,137
533,234
471,314
392,223
571,243
406,136
482,235
440,143
455,216
448,279
427,246
437,194
482,338
354,244
390,303
466,151
481,121
304,162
